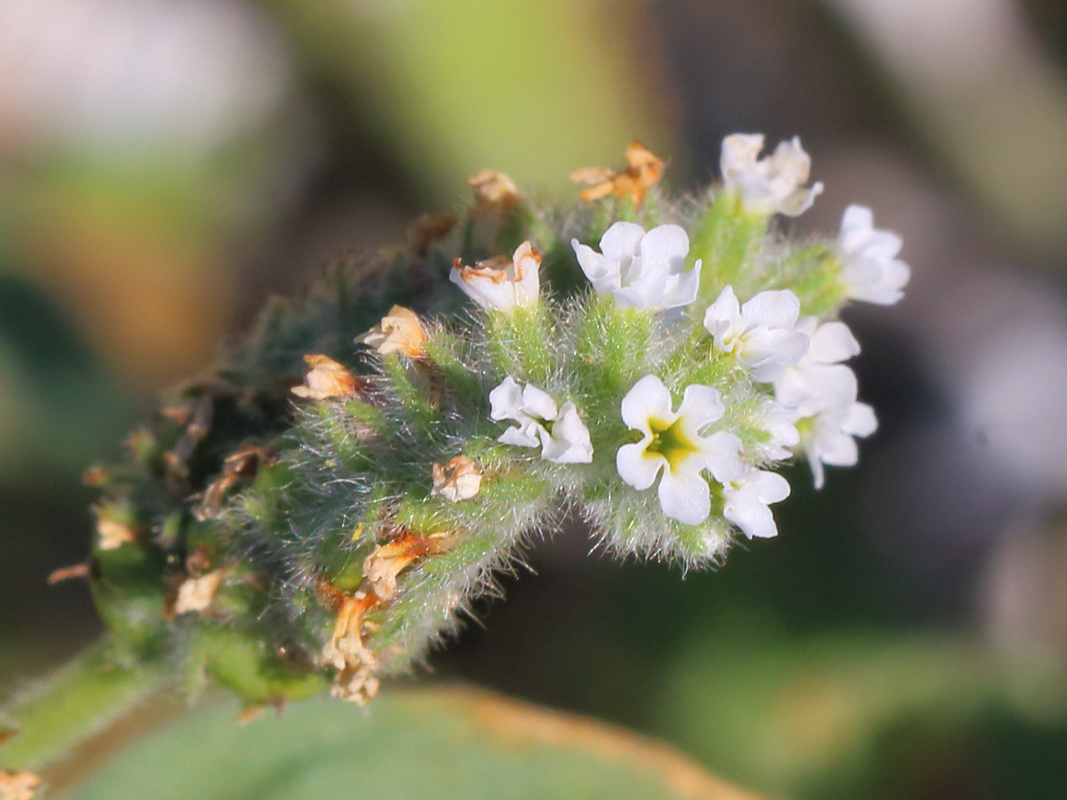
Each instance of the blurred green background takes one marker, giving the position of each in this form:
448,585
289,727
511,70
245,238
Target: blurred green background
164,167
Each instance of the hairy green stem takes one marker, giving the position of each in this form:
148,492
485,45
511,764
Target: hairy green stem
51,717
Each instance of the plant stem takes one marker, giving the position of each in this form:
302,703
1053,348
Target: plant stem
78,700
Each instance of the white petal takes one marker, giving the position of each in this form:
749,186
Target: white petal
812,388
772,487
701,405
773,309
747,508
751,516
833,342
505,401
779,423
834,447
601,272
723,315
790,162
722,455
622,240
538,403
860,420
526,268
569,442
648,399
647,291
739,153
666,247
638,467
681,289
799,201
685,496
524,436
870,270
856,223
781,347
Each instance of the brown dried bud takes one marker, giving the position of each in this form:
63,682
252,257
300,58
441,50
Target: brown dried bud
242,464
113,534
643,170
18,785
494,191
325,378
400,331
196,595
382,567
429,228
459,479
346,652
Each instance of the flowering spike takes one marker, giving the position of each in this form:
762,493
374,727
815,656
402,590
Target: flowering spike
285,547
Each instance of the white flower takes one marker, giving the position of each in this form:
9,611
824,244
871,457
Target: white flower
641,270
762,334
746,495
772,185
560,432
501,283
821,393
819,380
827,437
870,269
672,444
780,422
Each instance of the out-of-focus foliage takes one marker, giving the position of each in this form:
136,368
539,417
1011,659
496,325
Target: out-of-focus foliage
448,745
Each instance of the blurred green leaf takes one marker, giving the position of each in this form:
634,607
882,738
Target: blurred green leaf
437,744
840,715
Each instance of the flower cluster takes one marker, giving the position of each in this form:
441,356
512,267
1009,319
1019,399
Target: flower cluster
652,363
691,454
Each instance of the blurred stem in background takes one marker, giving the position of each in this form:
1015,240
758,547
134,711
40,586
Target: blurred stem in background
989,101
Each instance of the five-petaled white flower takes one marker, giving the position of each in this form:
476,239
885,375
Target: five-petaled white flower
779,422
639,269
560,432
771,185
762,334
502,283
828,436
819,380
747,493
870,269
821,393
672,443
